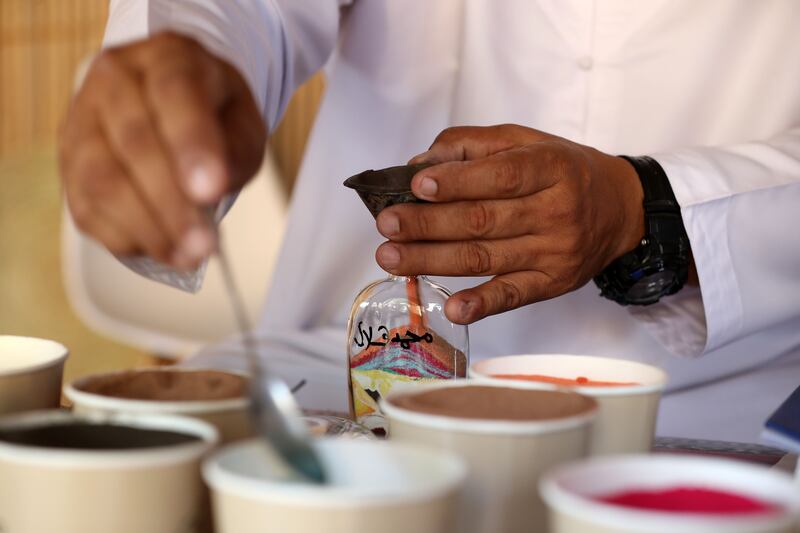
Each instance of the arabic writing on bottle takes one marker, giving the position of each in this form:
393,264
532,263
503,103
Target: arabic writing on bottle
364,337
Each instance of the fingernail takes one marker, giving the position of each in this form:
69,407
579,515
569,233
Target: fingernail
202,185
197,243
388,224
428,187
388,256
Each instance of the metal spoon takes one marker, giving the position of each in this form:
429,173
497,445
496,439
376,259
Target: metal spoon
273,410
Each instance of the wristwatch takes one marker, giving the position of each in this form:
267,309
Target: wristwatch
660,264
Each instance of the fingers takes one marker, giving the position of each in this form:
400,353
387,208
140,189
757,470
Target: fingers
511,174
464,258
465,143
503,293
187,120
205,113
105,205
241,120
456,221
133,138
119,205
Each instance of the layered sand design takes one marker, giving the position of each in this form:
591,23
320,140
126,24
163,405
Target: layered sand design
410,355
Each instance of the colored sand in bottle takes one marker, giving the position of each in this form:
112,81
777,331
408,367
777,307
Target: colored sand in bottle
394,342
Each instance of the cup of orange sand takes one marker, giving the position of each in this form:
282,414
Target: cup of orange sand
627,392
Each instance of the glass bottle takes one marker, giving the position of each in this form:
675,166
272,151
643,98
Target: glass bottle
398,334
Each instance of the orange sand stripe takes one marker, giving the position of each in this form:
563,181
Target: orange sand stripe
415,317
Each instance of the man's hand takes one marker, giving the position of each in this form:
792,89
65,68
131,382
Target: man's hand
159,129
540,213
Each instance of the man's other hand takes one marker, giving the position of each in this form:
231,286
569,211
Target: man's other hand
541,214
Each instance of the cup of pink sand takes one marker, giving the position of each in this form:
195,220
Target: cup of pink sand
666,493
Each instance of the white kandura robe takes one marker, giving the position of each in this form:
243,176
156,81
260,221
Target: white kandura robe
710,88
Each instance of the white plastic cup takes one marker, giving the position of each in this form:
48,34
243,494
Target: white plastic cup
373,486
505,457
626,419
154,490
229,415
570,490
31,370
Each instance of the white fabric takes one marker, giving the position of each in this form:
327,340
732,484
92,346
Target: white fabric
711,89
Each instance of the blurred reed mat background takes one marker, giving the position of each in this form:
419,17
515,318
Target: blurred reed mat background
41,43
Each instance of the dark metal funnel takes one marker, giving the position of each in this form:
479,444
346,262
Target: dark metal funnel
379,189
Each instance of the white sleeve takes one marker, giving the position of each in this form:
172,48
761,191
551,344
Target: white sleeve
741,208
275,44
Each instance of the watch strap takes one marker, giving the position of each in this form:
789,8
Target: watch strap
658,194
664,248
662,212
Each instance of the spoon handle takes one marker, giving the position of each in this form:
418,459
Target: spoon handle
239,310
272,408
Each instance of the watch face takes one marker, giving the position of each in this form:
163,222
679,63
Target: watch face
651,287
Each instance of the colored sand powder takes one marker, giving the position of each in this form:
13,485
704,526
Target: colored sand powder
690,500
94,436
567,382
167,385
496,403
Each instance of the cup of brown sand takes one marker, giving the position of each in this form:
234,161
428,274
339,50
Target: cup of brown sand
218,397
507,435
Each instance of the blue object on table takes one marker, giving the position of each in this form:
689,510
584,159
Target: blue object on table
783,427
